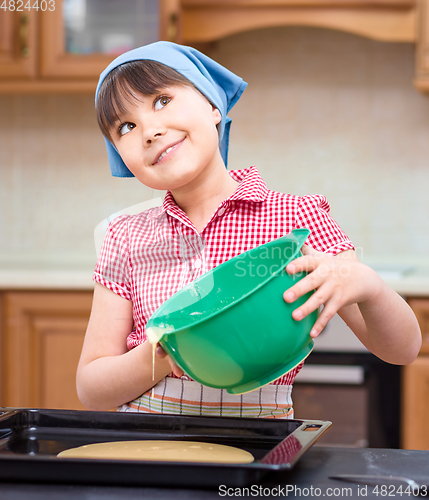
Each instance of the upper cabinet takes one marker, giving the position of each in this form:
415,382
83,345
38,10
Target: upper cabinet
384,20
387,20
63,45
17,42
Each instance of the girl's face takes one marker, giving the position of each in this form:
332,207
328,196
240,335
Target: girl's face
166,140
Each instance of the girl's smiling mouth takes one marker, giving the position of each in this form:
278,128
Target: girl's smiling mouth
168,152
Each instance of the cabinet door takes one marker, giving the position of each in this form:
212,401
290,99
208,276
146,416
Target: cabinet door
422,53
83,36
421,310
17,44
415,405
43,338
415,387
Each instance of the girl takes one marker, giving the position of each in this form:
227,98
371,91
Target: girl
163,111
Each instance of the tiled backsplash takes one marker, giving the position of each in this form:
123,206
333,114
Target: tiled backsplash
325,112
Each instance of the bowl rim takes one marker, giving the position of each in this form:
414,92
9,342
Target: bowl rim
300,233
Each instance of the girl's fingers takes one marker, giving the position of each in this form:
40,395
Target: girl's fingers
326,276
307,250
160,351
309,261
174,368
298,265
305,285
305,263
327,313
316,300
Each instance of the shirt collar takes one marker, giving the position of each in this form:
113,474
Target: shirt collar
251,188
170,205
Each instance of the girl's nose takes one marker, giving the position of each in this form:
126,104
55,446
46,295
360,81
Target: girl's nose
152,131
152,138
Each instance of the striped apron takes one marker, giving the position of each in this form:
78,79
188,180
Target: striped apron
187,397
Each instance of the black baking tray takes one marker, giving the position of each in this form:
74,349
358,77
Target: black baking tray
31,438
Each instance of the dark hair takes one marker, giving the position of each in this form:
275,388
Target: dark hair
124,84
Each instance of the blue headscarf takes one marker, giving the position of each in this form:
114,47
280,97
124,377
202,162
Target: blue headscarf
221,87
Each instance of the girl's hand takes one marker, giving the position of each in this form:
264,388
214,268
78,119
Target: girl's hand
338,281
178,372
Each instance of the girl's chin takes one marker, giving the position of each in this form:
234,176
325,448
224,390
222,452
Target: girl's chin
169,179
180,181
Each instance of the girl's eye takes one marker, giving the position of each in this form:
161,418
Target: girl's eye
161,102
124,128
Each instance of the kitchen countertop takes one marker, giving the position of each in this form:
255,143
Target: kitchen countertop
74,272
47,272
46,279
311,472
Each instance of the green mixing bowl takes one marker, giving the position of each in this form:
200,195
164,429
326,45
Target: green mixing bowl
231,327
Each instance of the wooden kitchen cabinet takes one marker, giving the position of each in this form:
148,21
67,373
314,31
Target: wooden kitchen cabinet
47,67
17,45
420,306
33,50
422,54
415,405
415,386
41,341
57,63
204,21
387,20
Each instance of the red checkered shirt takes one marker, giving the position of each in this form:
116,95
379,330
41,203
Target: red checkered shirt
148,257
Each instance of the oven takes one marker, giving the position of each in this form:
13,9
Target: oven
343,382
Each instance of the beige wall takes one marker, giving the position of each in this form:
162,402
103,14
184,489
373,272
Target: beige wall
325,112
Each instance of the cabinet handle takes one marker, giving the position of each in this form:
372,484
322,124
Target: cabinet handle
172,27
24,35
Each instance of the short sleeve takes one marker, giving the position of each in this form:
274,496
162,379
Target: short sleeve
113,265
326,235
